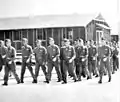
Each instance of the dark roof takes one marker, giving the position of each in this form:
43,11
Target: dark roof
46,21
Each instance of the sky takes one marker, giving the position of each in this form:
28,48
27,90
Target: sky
18,8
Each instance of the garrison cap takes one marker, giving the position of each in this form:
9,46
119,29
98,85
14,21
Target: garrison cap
7,40
38,40
24,39
51,39
66,40
80,40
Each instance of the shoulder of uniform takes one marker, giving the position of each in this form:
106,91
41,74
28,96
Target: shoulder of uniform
29,46
13,48
35,48
23,47
48,46
56,45
4,47
44,47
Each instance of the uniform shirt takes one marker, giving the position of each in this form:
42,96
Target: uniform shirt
92,51
68,52
40,53
61,52
53,51
77,50
103,51
115,51
3,50
83,51
26,51
10,53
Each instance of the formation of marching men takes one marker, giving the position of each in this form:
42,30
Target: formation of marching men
78,60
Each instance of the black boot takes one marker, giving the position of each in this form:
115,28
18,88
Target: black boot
34,81
79,79
100,81
46,82
59,80
89,77
97,75
109,79
75,80
18,82
64,82
5,84
21,81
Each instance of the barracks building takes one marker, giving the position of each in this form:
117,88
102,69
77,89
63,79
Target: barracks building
85,26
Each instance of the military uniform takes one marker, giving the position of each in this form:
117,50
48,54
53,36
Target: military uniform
2,53
103,55
83,53
92,51
53,51
10,57
40,57
61,61
115,58
68,52
26,53
77,64
111,58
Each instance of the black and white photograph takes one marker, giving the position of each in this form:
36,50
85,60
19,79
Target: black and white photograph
59,50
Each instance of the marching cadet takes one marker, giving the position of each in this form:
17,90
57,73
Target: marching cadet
104,58
10,63
2,54
53,60
61,57
77,64
26,59
92,55
41,58
115,57
111,56
68,53
83,55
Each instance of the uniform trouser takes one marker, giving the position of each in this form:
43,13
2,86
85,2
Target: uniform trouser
115,63
1,63
57,68
10,67
83,67
111,64
77,67
70,68
37,68
106,65
92,67
61,68
24,64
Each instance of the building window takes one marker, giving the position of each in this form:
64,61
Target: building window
16,35
41,34
69,33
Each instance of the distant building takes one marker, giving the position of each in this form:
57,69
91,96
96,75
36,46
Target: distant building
85,26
